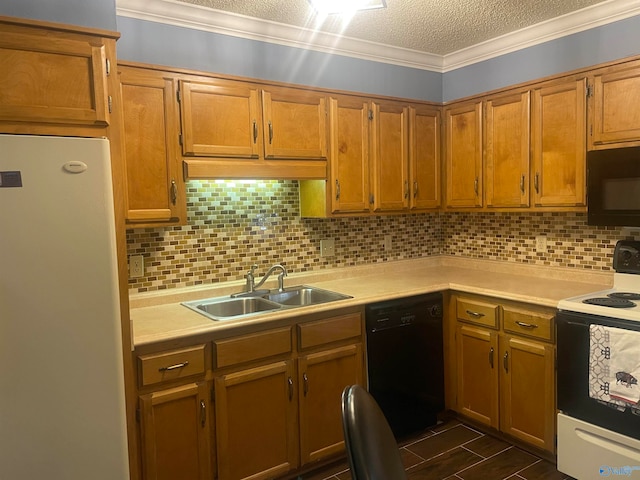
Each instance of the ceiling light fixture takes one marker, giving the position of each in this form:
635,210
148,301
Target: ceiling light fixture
327,7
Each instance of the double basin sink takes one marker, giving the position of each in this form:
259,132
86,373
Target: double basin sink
243,305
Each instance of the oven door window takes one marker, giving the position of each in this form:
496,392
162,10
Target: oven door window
573,375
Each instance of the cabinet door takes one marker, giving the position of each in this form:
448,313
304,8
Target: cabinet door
349,140
424,157
175,433
54,77
613,118
507,151
220,119
527,391
477,358
463,155
154,186
558,134
294,123
322,378
390,156
256,422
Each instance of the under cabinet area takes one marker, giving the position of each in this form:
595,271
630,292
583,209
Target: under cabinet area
504,367
256,405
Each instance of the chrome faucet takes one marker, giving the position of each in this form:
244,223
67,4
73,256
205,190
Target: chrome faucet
252,286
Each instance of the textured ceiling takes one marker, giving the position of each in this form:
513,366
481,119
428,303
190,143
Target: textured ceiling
432,26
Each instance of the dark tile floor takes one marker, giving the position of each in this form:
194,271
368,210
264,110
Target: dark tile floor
454,451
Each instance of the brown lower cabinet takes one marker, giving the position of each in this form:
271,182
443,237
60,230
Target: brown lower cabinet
505,368
252,406
175,427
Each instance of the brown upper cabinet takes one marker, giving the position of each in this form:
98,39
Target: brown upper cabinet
531,154
558,136
155,190
385,157
507,150
53,76
463,155
275,132
614,119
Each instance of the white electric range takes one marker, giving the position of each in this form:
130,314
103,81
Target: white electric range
599,438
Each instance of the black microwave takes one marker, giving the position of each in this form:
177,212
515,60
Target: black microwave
613,187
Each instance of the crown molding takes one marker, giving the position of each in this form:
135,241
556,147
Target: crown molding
575,22
172,12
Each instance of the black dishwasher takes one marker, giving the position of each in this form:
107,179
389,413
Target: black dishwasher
405,361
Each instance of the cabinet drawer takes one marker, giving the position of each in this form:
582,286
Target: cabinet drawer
532,324
171,365
252,347
330,330
480,313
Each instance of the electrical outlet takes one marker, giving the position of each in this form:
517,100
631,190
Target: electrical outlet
327,247
541,243
136,266
388,243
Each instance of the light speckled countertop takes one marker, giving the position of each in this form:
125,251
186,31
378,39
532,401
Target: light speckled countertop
158,316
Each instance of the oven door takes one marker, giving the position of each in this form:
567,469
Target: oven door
573,374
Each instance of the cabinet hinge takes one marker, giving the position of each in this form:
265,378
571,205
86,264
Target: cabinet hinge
589,90
110,103
370,114
108,66
178,96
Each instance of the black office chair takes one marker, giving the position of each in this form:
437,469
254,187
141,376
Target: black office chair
372,450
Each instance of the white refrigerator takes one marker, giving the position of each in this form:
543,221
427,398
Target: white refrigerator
62,407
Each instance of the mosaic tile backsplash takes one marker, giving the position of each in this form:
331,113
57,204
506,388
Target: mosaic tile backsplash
235,224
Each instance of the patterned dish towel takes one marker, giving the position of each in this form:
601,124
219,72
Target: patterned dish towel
614,367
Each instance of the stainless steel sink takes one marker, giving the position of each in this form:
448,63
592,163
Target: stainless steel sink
303,295
227,308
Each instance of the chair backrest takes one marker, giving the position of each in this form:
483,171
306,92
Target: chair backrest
372,449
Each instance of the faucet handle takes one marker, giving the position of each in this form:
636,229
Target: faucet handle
253,268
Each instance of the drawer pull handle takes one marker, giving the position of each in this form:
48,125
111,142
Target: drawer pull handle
255,131
491,357
290,382
527,325
173,367
203,413
475,314
506,362
306,383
